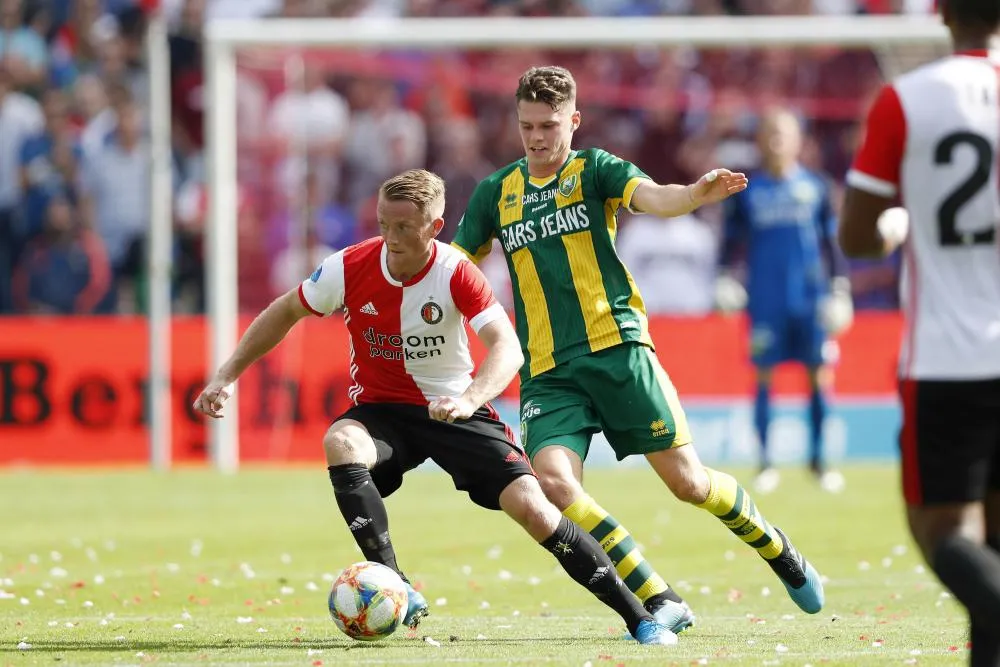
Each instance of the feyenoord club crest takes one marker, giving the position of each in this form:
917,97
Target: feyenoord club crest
431,312
568,185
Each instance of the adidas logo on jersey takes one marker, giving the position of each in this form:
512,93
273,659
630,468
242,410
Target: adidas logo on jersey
359,523
369,309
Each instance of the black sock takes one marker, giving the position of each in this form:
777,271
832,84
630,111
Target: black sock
364,511
985,638
972,573
585,561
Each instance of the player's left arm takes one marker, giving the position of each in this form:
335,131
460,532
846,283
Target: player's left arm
619,179
873,182
671,200
474,298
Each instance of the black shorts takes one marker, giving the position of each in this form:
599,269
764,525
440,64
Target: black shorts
479,453
950,440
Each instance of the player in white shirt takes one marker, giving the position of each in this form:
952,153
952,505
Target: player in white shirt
932,140
406,300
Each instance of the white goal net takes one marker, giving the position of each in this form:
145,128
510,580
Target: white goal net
307,117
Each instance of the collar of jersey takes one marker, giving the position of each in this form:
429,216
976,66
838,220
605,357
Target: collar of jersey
538,182
976,53
384,262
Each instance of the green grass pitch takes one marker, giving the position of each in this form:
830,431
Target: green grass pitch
193,568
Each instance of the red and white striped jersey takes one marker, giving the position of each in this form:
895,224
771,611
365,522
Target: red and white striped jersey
932,138
408,340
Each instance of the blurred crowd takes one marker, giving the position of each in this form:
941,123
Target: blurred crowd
318,131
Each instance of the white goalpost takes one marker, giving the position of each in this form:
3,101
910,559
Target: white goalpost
898,42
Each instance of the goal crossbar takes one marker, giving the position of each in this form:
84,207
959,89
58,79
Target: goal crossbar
223,38
559,33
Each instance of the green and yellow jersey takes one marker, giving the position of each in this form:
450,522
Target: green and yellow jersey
572,293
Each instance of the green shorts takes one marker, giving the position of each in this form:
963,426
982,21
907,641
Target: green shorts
622,391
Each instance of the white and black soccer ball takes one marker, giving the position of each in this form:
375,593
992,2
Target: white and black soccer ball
368,601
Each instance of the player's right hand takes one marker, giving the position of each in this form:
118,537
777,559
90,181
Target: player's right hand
894,225
213,398
730,295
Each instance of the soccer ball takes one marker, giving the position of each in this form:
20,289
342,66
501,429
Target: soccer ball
368,601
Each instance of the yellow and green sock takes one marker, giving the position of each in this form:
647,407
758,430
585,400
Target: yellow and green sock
734,507
616,541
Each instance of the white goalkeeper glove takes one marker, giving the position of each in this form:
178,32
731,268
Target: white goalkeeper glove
894,225
836,309
730,295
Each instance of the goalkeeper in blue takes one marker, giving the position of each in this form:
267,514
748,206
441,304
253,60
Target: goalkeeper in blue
797,295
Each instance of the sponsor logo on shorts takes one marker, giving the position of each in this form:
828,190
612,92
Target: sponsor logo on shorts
659,428
513,457
316,274
530,409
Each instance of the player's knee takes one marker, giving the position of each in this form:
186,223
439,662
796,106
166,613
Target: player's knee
524,501
560,489
348,442
930,527
683,473
690,488
689,483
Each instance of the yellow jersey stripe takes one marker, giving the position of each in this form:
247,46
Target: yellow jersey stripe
511,198
638,307
536,312
602,327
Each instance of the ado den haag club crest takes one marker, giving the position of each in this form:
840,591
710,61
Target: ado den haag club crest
568,185
431,312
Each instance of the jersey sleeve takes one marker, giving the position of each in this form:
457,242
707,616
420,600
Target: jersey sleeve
323,292
616,178
473,295
475,230
877,164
